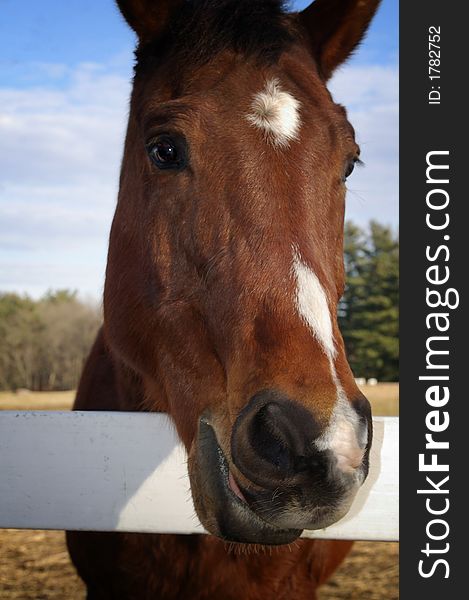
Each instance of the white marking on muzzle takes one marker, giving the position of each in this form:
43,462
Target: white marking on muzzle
276,113
340,436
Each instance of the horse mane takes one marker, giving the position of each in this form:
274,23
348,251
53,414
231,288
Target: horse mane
200,29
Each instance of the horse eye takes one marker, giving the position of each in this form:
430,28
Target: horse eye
166,153
349,168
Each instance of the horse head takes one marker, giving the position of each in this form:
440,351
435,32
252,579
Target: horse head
225,264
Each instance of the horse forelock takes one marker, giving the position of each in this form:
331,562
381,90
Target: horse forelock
202,28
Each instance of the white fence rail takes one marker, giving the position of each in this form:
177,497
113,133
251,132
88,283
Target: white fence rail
127,472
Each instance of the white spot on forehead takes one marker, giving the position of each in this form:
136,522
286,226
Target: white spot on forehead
276,112
312,304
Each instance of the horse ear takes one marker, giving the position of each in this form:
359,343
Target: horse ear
335,28
147,18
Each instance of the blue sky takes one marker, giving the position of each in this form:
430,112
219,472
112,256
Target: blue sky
65,68
77,31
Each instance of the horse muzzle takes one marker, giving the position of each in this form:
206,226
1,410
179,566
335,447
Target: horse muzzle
277,480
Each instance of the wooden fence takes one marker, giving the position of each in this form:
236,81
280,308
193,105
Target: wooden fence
106,471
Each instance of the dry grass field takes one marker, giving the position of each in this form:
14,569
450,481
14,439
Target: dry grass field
34,565
384,399
26,400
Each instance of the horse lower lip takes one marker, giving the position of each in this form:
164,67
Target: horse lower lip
235,519
235,487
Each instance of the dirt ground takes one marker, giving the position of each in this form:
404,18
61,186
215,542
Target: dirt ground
34,565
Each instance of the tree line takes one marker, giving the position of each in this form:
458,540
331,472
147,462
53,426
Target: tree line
369,311
44,343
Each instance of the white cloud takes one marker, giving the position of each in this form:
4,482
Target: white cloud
59,167
60,153
371,95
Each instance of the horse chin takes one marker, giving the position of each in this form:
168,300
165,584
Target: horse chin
219,502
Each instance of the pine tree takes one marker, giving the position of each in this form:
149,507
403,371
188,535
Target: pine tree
369,310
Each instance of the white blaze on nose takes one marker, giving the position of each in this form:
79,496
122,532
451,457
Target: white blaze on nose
276,112
340,436
312,304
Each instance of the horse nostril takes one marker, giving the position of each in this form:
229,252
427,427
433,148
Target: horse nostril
272,439
270,436
362,406
363,409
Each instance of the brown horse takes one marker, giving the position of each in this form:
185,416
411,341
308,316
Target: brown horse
224,273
